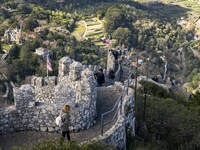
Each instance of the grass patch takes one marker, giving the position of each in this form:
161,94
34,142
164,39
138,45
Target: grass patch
79,30
95,33
99,43
95,36
193,7
92,23
6,47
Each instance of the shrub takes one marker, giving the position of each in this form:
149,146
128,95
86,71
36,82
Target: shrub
72,145
154,90
96,146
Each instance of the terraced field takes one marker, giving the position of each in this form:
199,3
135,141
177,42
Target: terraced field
90,29
95,31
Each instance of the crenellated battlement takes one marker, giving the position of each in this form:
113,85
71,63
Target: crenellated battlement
39,104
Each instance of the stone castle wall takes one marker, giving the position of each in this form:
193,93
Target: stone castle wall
116,136
37,105
124,64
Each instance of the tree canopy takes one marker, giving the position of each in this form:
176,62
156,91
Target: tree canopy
114,18
123,35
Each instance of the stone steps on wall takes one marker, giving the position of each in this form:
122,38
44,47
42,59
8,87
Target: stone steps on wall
106,98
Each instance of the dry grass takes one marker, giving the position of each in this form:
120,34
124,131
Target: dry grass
79,30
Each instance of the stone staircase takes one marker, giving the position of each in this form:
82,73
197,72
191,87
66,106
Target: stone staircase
107,97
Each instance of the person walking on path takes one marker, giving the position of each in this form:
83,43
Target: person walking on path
112,74
66,122
116,54
100,77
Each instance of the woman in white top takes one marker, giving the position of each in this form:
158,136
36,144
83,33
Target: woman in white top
66,121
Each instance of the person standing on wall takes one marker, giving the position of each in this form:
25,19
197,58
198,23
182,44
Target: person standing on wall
66,122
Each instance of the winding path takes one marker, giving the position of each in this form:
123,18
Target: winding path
105,101
85,29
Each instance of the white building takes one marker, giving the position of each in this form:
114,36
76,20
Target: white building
13,35
41,51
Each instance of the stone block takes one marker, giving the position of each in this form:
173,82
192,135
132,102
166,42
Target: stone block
71,128
64,66
57,128
75,71
77,128
50,129
48,124
33,80
51,81
39,82
44,129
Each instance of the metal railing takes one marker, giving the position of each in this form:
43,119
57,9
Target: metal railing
117,106
117,74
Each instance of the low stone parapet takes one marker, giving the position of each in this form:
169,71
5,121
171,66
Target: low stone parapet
116,136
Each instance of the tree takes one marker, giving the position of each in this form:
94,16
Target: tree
193,73
194,102
2,30
6,69
114,18
29,24
14,51
24,61
100,14
1,50
171,124
195,81
155,90
24,8
13,54
123,35
12,4
4,13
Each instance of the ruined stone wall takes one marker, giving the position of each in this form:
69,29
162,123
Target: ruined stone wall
37,105
116,136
